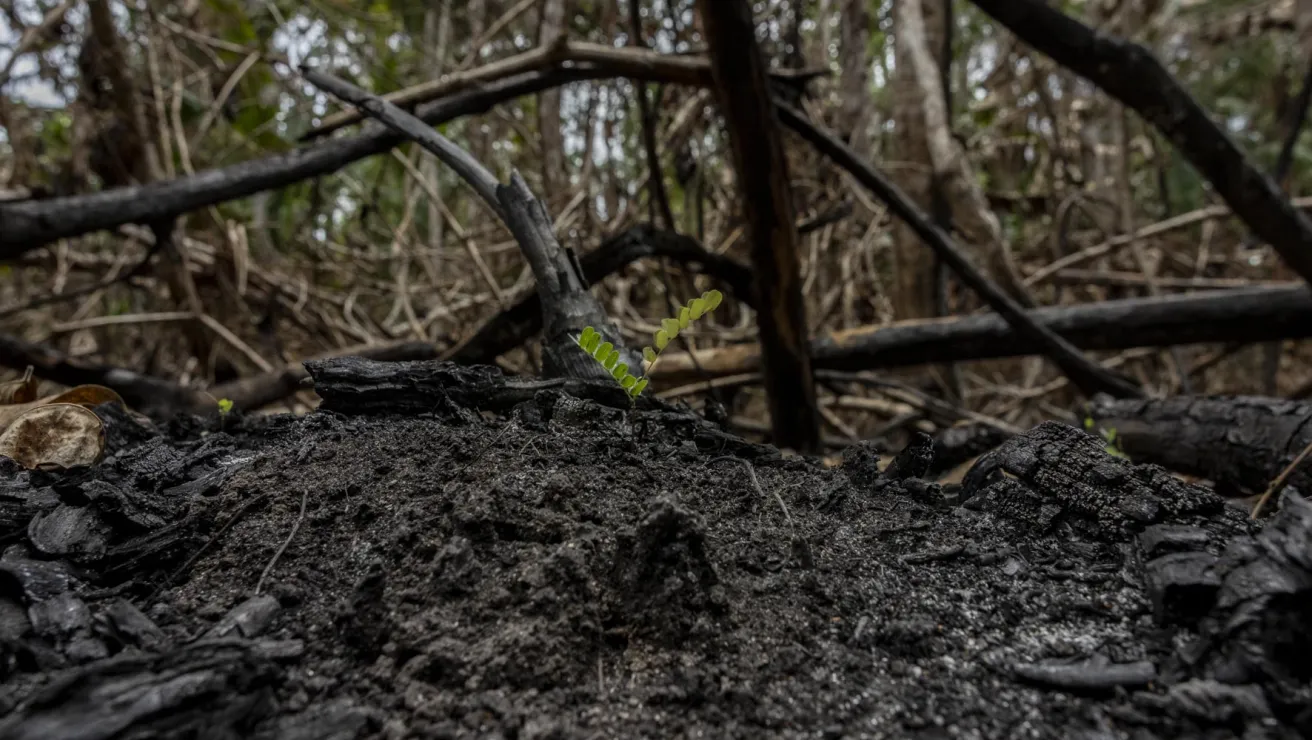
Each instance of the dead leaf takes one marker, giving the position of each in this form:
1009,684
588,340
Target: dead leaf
60,435
86,396
19,391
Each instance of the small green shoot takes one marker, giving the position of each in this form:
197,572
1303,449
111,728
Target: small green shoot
590,341
225,406
1108,436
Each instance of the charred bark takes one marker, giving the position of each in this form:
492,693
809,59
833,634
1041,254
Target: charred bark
567,305
1220,316
351,385
1241,442
744,92
1058,476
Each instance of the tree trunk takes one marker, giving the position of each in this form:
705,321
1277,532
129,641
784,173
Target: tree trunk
854,75
554,180
131,111
913,294
759,162
437,32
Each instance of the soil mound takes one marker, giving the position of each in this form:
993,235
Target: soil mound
567,569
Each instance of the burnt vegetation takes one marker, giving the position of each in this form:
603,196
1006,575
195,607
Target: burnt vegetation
652,368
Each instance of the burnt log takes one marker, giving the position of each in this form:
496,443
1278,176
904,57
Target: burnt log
1056,476
355,386
1220,316
1240,442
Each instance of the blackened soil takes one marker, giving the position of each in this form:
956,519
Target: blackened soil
589,577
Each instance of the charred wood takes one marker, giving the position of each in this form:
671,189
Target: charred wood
1238,443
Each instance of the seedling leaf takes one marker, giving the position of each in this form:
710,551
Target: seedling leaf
671,327
608,355
696,308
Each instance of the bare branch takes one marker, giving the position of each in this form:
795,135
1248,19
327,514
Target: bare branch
1084,373
469,169
1131,74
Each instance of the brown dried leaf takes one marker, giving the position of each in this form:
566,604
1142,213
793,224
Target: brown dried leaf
86,396
19,391
60,435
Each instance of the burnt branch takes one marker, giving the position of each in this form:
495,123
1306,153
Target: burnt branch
567,305
1131,74
1083,372
1218,316
31,224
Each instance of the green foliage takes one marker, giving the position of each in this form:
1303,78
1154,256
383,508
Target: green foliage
590,341
225,406
1108,436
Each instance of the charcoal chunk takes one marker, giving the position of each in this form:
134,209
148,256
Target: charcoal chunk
1163,539
1182,586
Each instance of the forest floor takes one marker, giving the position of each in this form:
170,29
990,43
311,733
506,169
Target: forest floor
570,570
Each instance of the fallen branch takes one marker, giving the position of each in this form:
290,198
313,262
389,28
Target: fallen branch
1219,316
1085,374
1131,74
31,224
139,391
1241,442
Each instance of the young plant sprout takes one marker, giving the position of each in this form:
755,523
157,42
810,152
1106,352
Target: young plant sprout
604,352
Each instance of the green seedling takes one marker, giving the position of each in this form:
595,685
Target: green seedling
590,341
1108,436
225,406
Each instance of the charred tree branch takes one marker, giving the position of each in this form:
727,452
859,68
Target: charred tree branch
32,224
1084,373
567,305
1219,316
1131,74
